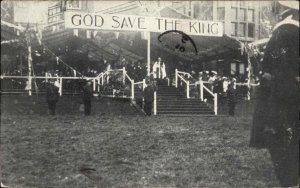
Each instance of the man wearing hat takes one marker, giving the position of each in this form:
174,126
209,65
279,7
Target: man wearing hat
52,97
87,94
276,115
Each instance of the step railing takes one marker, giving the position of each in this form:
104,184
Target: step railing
103,77
63,83
180,76
214,95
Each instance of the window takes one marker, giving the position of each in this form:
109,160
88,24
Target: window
233,28
242,68
233,68
221,13
251,15
50,12
242,14
234,13
73,4
242,30
251,30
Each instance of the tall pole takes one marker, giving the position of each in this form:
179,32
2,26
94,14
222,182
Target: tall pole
29,68
148,53
21,64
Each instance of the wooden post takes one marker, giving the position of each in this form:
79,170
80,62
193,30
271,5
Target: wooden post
124,74
60,86
201,90
94,84
176,78
132,89
188,89
21,64
216,103
144,84
98,84
155,104
148,52
29,69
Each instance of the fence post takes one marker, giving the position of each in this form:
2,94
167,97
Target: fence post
168,81
60,86
176,79
107,77
188,89
155,105
98,83
94,84
132,89
46,76
216,103
124,72
201,90
144,84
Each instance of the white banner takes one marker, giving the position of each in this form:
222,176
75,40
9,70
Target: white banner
80,20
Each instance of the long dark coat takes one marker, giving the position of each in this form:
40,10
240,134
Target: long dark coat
276,116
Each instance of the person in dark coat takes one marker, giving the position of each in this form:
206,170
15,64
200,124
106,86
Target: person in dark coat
149,96
87,94
231,97
52,97
276,116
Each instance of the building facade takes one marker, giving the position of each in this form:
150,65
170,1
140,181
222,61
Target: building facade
241,19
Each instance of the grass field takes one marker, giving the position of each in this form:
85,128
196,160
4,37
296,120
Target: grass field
115,148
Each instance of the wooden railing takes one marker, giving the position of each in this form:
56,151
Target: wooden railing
179,75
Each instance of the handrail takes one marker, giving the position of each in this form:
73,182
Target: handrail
44,77
202,87
208,90
186,82
182,79
128,77
136,83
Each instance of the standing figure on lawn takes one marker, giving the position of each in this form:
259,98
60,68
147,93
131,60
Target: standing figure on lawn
276,116
231,97
149,96
52,96
87,94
